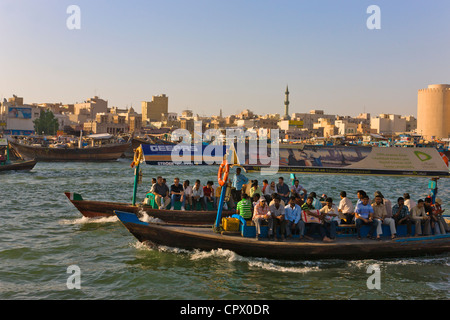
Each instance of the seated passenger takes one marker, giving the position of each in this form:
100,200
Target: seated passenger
297,190
420,217
364,216
261,213
380,215
177,193
277,212
436,218
346,208
330,217
442,223
310,210
255,188
401,215
197,195
292,215
244,207
188,193
161,192
208,194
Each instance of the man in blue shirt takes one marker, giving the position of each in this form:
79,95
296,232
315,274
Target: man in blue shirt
292,215
238,181
364,216
283,190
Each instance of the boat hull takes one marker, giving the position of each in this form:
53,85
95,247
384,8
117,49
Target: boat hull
103,153
19,166
205,239
99,209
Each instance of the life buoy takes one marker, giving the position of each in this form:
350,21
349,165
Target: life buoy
138,157
224,170
444,157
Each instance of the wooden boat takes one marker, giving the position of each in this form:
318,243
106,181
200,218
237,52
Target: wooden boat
105,152
19,165
206,239
98,209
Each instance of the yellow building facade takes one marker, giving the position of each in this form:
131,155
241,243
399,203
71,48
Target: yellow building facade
152,110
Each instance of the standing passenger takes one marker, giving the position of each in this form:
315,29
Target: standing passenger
238,181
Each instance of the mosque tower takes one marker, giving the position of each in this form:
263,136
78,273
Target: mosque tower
286,105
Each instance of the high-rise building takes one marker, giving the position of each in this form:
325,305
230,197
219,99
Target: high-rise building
153,110
433,112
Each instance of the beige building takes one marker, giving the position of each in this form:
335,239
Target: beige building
388,124
87,110
433,112
312,117
152,111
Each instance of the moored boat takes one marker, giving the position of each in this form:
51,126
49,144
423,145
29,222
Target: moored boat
101,152
19,165
205,239
99,209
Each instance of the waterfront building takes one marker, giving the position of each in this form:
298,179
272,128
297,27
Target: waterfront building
17,118
433,112
312,117
388,124
152,111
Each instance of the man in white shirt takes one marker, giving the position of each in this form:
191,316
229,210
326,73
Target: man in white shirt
408,202
346,208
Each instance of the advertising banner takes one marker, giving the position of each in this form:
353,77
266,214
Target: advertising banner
169,155
19,112
355,160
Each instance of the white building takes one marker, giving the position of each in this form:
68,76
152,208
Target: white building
17,118
388,123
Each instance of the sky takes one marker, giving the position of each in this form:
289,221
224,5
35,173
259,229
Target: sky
208,55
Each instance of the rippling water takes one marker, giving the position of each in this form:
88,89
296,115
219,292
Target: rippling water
43,234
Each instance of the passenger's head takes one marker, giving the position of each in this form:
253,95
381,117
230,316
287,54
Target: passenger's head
280,180
343,194
420,203
360,194
378,199
329,202
365,200
262,201
309,200
277,201
401,201
292,201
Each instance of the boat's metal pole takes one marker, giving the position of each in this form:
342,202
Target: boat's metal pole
220,207
136,179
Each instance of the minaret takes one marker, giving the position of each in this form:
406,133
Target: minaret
286,105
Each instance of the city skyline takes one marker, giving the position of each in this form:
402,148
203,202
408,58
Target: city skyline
234,55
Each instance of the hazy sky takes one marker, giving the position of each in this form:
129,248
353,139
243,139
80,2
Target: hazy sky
229,54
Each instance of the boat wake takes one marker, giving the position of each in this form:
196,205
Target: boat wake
85,220
232,257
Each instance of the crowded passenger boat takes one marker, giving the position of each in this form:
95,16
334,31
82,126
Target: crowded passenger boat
289,211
